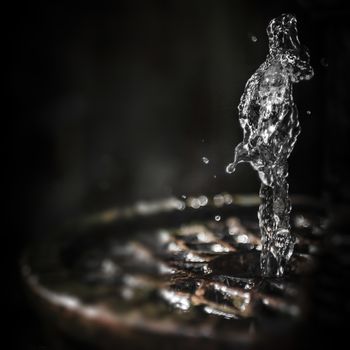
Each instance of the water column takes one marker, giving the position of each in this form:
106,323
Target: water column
269,119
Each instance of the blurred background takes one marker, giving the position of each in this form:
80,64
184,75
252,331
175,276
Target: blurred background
114,102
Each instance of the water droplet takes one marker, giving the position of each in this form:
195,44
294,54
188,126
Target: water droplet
231,168
300,221
183,196
214,176
308,112
253,38
217,218
205,160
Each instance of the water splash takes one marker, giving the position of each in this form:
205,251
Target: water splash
205,160
269,119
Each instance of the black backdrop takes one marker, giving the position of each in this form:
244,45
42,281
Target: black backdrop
116,102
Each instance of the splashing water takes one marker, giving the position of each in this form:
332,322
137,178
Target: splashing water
205,160
269,119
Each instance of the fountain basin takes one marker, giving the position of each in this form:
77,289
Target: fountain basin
170,272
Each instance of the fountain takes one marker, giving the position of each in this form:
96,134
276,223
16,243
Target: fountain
187,270
269,119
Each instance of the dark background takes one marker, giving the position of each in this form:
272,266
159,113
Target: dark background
117,102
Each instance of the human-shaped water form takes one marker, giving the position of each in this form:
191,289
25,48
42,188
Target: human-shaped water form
269,119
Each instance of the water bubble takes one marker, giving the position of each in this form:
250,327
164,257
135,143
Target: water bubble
217,218
205,160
